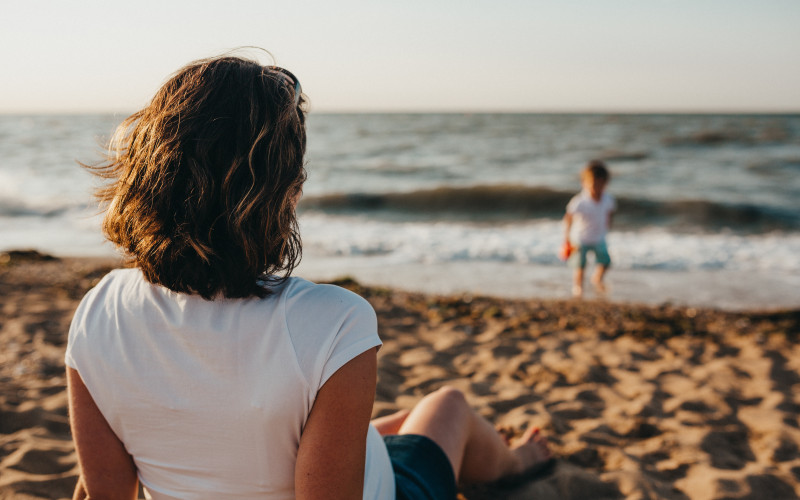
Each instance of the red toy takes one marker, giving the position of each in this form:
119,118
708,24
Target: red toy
565,251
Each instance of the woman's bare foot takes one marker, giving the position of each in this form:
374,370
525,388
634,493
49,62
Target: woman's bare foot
506,433
531,450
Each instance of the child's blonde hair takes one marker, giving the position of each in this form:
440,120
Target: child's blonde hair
596,169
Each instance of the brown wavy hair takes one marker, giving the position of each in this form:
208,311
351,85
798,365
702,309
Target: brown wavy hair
204,180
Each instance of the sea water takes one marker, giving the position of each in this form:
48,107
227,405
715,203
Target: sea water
708,205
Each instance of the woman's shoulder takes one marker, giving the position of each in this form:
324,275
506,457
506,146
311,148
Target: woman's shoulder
328,325
120,274
296,286
112,282
322,296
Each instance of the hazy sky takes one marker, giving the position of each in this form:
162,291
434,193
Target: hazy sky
416,55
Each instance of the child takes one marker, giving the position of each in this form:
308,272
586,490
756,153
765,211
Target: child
206,370
591,211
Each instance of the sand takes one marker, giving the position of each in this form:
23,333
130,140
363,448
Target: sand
638,402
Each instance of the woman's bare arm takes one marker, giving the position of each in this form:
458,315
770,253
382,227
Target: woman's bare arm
330,460
107,470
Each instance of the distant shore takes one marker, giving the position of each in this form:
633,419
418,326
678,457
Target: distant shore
637,401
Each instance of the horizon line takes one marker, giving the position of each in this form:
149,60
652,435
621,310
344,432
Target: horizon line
452,112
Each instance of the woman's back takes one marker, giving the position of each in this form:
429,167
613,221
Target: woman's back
212,396
190,374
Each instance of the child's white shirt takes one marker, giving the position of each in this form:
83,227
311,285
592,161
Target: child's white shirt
590,217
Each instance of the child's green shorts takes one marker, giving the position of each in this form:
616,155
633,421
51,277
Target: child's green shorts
600,250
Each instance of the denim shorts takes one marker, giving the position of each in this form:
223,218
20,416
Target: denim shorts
422,471
600,250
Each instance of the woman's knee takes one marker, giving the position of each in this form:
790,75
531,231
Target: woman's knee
442,412
449,399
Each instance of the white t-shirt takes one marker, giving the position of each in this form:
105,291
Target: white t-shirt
590,217
210,397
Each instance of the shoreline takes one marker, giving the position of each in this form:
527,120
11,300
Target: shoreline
723,290
637,401
728,291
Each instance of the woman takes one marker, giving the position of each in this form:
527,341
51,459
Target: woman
204,370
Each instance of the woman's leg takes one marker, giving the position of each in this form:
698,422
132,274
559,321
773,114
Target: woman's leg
476,450
390,424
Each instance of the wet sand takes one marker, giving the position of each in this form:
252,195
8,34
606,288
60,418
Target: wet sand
638,401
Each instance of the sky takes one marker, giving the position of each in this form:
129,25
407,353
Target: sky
416,55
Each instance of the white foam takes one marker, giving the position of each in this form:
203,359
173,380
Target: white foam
718,288
538,242
74,234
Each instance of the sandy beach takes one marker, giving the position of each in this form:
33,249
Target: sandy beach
639,402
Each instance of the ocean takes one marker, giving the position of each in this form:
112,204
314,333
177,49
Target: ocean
708,205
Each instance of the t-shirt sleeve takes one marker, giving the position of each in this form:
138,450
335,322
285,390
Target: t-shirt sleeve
90,353
74,340
329,326
572,206
78,352
612,203
357,333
